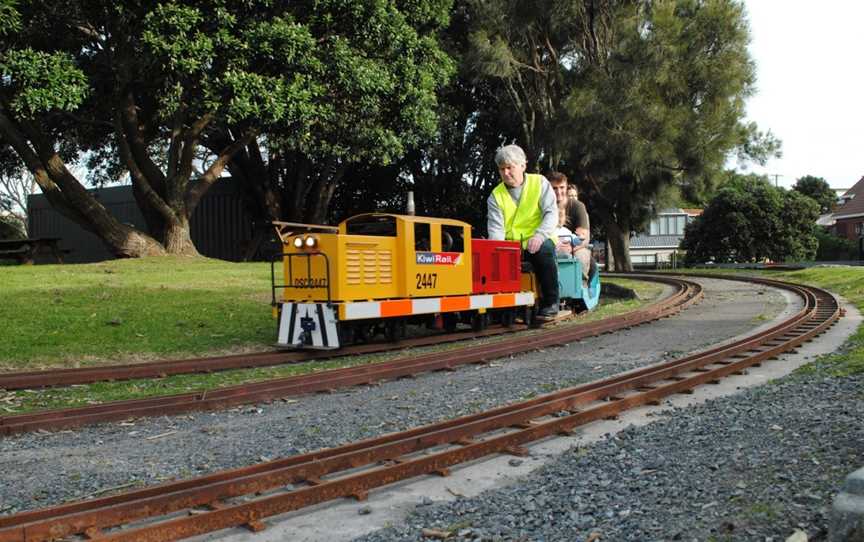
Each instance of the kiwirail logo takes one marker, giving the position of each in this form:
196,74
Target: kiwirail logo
439,258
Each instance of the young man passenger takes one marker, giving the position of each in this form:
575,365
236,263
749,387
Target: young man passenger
573,217
523,208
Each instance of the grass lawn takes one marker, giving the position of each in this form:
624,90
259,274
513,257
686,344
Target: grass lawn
122,310
845,281
157,308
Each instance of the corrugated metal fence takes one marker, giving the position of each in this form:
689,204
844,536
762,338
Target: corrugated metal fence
221,225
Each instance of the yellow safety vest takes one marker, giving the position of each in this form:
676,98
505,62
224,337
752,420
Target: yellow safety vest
520,222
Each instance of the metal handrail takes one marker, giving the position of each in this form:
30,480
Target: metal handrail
290,255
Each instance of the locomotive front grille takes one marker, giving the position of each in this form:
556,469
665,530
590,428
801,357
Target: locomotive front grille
385,267
368,267
353,267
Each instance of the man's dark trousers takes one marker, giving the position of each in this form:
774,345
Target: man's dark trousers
546,270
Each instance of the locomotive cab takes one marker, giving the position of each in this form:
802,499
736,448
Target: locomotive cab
376,272
430,255
372,266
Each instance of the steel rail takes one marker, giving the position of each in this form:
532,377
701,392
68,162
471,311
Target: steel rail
244,496
686,294
85,375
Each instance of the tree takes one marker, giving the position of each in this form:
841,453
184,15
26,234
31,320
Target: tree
11,224
817,189
173,94
833,248
634,100
99,77
451,173
454,173
12,193
10,228
749,221
16,184
13,197
662,109
381,69
527,53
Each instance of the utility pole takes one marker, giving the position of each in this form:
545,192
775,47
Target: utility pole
776,176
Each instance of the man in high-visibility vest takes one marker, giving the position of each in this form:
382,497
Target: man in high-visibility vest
523,208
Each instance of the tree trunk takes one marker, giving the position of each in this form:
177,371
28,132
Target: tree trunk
610,258
319,198
68,196
296,173
619,243
266,188
259,178
318,210
126,242
153,220
178,238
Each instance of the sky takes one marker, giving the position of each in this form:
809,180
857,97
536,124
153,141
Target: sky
810,87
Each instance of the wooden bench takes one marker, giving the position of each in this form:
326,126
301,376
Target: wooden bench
13,251
24,251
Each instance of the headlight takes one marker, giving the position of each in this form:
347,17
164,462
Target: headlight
298,242
311,242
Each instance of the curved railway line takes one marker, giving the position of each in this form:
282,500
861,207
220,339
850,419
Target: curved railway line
685,294
245,496
157,369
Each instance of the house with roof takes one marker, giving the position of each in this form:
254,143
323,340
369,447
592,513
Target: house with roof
658,246
848,216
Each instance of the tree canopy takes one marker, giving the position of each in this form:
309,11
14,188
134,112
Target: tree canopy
817,189
173,93
750,221
629,98
324,107
662,111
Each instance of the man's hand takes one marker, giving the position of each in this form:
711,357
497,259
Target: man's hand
584,235
535,243
563,245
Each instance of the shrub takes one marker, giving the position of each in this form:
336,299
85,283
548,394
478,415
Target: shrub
832,247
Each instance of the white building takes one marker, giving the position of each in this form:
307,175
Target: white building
657,246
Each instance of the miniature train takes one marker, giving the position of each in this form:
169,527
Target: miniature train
378,272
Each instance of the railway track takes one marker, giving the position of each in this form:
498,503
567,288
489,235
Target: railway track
245,496
157,369
686,293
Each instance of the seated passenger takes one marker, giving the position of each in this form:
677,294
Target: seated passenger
566,241
522,208
573,216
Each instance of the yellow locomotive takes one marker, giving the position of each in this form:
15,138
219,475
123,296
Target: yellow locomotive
380,270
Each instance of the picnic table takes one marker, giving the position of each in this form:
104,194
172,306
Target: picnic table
25,250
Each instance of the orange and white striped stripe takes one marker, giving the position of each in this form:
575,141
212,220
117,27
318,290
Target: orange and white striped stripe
407,307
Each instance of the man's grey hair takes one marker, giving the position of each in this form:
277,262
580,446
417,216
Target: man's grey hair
510,154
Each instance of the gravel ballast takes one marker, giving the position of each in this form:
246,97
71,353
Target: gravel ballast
43,469
757,465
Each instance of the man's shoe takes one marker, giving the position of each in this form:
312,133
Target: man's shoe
547,313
